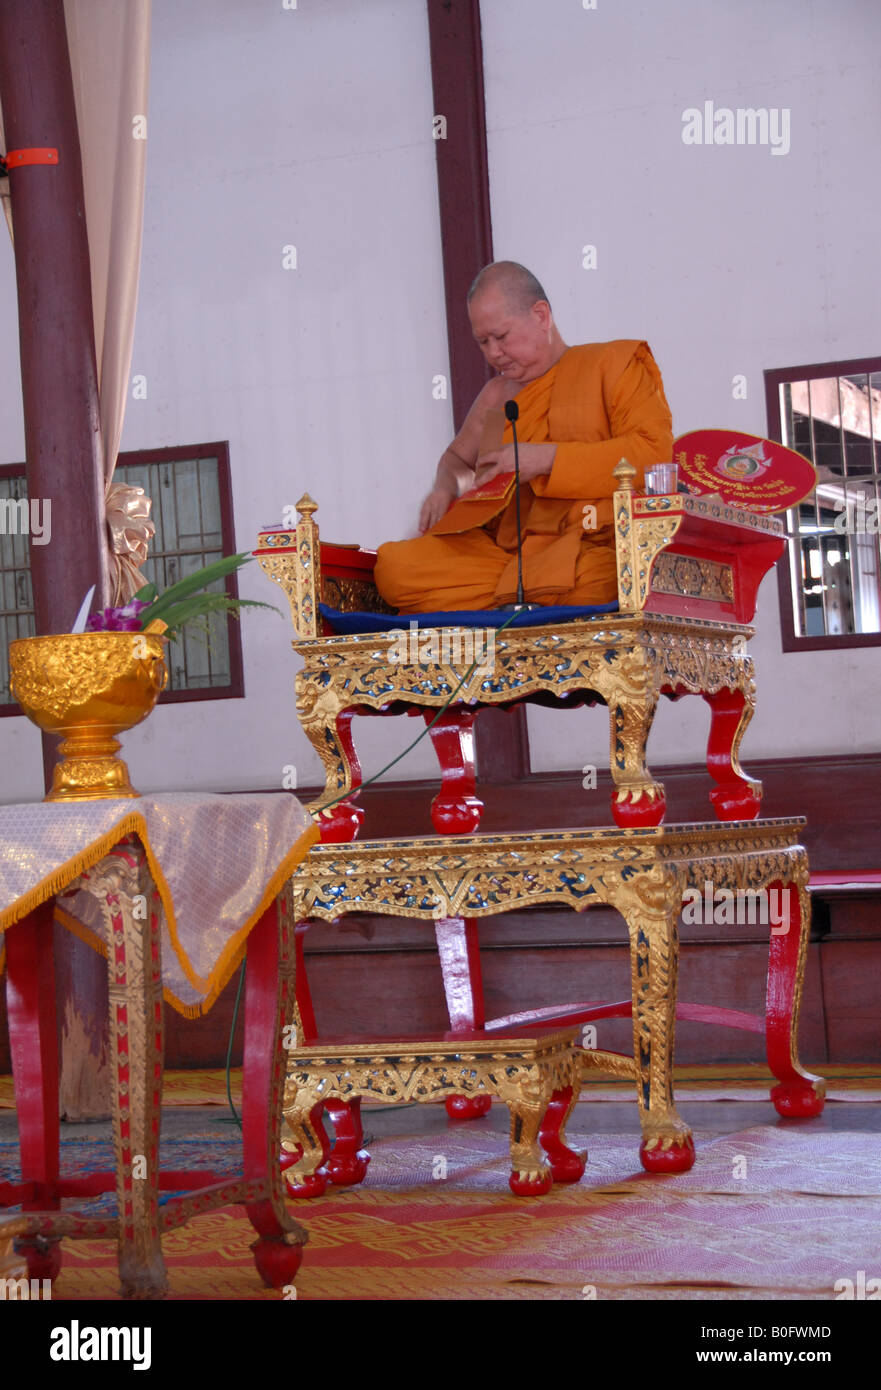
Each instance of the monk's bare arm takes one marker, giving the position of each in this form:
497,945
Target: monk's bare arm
456,468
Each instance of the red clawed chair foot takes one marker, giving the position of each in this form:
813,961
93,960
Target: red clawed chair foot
347,1164
678,1158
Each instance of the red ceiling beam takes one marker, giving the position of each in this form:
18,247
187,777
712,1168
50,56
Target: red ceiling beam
466,244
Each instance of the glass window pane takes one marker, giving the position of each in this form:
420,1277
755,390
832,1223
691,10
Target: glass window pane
186,513
836,421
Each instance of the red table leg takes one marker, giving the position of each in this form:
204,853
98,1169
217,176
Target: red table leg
799,1095
458,947
308,1027
136,1046
269,1006
33,1041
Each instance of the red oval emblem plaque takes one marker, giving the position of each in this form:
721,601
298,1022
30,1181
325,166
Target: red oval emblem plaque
744,469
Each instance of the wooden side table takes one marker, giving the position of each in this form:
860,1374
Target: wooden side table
122,883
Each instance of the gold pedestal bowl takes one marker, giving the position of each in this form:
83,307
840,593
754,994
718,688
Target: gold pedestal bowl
88,687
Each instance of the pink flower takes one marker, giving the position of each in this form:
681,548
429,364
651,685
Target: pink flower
124,619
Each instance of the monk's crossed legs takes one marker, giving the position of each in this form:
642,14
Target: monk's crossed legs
448,573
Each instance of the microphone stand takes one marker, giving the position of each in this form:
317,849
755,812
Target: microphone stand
512,411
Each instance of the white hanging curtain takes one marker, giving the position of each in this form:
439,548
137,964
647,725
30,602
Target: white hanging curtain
109,42
4,183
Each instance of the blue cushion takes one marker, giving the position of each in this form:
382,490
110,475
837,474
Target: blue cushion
345,623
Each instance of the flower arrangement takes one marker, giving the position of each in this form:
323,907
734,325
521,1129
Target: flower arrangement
181,603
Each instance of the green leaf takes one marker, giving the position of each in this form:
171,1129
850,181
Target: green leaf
193,583
202,606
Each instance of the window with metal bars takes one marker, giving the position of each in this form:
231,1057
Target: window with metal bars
192,513
830,589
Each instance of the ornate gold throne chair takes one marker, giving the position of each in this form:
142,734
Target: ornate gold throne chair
689,569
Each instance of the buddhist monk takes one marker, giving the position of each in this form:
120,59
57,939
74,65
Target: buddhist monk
580,410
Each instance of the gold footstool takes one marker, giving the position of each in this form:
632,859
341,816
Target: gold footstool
537,1077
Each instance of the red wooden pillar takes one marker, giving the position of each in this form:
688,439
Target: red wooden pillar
466,239
62,436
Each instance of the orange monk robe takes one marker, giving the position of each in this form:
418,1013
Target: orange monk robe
600,402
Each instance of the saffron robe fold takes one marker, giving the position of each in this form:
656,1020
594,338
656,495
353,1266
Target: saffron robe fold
600,402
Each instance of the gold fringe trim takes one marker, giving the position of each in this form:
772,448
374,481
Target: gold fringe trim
234,949
61,878
230,956
185,1010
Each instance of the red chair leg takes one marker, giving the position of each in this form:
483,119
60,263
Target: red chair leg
799,1095
33,1041
347,1164
566,1164
340,823
456,810
458,947
736,796
268,1009
311,1136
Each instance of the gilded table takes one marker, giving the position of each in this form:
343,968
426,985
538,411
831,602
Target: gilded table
644,873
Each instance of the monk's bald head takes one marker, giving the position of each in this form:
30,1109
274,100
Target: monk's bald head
512,322
517,286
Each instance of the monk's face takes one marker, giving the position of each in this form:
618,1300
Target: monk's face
517,345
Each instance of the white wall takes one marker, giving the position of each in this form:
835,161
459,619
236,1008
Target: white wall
726,259
271,127
313,127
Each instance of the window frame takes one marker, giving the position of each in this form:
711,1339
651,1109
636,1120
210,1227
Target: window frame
775,378
235,690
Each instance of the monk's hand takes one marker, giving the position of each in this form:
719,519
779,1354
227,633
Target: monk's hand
435,505
535,459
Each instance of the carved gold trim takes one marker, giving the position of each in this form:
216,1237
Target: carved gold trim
623,662
522,1072
293,560
480,875
686,504
353,595
637,543
692,577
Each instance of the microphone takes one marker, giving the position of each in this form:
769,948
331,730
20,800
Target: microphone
512,411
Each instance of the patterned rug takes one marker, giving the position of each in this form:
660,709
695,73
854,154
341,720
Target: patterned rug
769,1212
